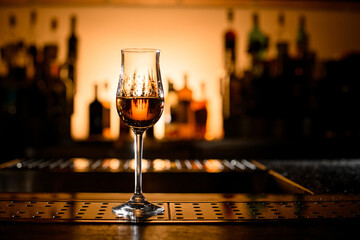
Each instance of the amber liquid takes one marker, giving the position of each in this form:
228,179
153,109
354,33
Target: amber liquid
140,112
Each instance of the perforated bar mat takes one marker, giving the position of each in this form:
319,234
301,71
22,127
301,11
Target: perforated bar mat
179,212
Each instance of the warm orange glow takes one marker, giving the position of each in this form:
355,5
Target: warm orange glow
113,164
144,164
190,40
139,109
213,165
81,164
161,164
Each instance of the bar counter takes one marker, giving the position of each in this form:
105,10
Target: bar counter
297,199
187,216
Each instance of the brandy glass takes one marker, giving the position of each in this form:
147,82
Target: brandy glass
140,103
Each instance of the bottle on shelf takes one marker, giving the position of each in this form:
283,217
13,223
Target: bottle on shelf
171,112
11,72
282,38
257,40
201,114
72,41
185,98
96,117
302,39
10,42
51,51
230,81
72,53
279,66
32,44
230,39
185,114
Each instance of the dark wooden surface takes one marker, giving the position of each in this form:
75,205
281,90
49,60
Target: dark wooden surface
279,230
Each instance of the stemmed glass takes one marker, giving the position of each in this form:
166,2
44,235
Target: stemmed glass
140,103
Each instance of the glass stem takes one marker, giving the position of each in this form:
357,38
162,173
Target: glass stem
138,157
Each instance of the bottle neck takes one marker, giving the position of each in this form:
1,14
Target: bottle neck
96,92
73,25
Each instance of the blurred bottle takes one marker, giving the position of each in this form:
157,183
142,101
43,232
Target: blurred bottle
282,38
96,117
51,51
230,39
302,40
201,114
72,41
257,46
257,40
185,98
32,43
230,42
279,66
230,83
68,69
185,115
10,42
72,53
171,112
7,86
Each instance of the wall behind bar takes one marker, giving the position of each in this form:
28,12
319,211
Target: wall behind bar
191,40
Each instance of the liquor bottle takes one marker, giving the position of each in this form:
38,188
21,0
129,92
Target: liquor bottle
185,98
302,40
185,115
72,53
201,114
282,37
72,41
257,40
96,116
279,50
10,45
32,37
230,39
51,51
68,69
18,63
171,111
31,48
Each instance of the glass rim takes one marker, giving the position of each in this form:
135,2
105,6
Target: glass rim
140,50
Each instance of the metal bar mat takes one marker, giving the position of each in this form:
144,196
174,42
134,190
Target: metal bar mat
179,212
128,165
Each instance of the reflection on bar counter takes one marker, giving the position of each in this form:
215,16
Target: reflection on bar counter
279,95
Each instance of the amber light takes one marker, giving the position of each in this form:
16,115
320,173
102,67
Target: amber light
139,109
81,164
213,165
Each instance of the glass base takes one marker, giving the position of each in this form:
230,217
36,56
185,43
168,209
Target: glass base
137,209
